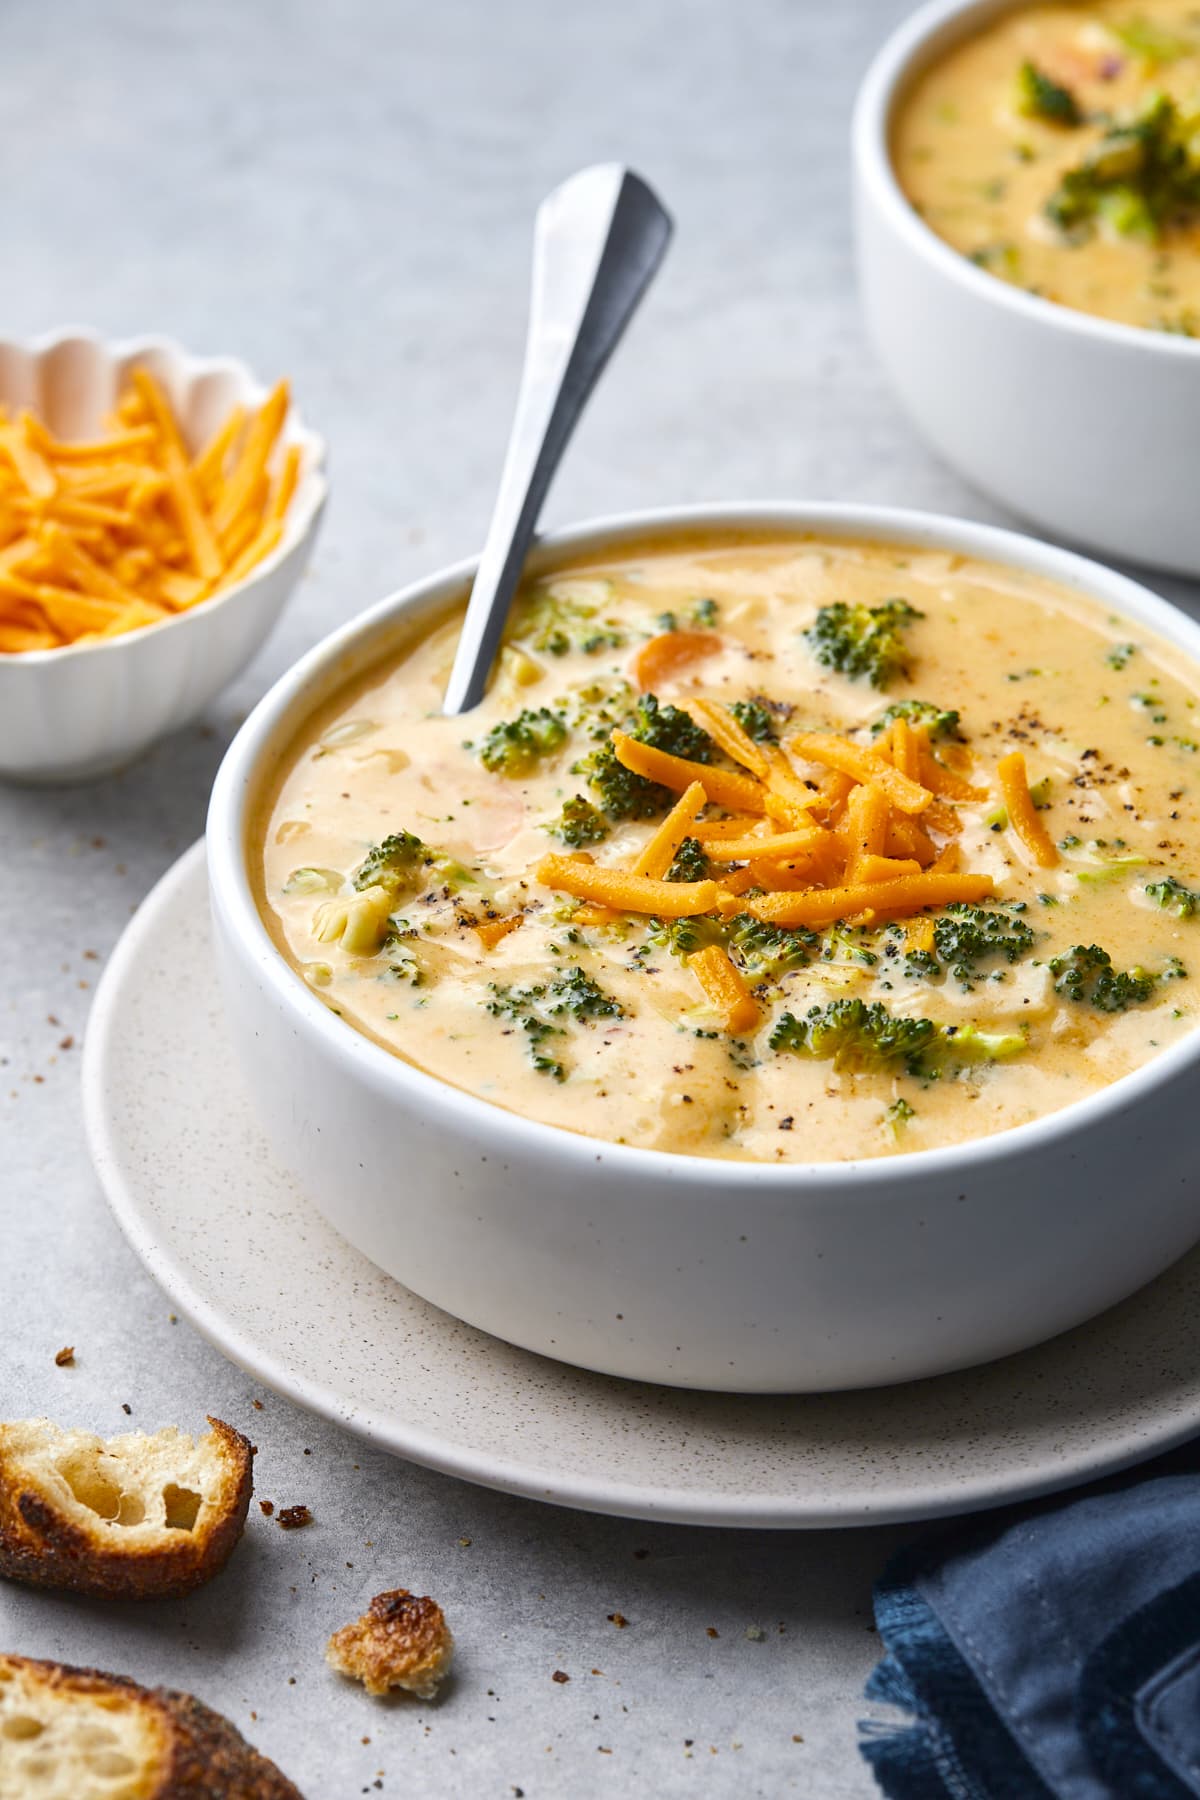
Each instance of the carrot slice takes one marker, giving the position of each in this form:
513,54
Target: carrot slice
1022,814
625,891
724,988
737,792
888,899
494,931
665,657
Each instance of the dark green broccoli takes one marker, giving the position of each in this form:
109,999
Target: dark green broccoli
515,746
621,793
754,717
965,936
899,1113
1142,176
579,823
767,951
1174,897
863,641
518,1005
689,862
576,993
1086,975
939,722
856,1036
1119,655
556,623
395,862
533,1008
1038,97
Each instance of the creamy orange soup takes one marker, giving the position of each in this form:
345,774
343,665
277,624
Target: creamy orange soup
1060,150
684,882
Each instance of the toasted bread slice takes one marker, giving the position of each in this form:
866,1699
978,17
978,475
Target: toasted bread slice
75,1734
402,1640
136,1517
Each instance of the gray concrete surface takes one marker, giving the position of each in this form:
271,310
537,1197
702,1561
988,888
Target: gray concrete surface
343,191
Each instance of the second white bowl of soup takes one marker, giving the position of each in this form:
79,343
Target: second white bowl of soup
785,979
1027,198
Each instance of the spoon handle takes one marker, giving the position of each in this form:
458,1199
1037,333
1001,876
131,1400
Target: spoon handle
597,242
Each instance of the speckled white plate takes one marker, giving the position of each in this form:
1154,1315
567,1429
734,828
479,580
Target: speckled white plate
242,1252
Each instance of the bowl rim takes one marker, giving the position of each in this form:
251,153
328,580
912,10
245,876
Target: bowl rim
260,740
304,511
902,55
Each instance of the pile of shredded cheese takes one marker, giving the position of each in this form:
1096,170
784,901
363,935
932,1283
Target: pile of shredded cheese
108,536
854,844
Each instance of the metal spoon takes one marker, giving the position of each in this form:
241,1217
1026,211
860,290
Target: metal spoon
597,242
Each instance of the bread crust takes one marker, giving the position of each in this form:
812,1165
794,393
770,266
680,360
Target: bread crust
402,1640
42,1544
203,1756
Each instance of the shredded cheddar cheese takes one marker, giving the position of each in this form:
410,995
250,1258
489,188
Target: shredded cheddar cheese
857,848
111,534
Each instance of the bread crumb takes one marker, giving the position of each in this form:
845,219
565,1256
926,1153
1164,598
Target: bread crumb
560,1675
267,1507
618,1619
401,1641
65,1357
712,1631
293,1517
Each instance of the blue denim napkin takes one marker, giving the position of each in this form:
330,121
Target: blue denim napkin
1047,1655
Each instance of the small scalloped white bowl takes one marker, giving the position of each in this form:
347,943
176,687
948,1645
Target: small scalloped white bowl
87,709
1084,425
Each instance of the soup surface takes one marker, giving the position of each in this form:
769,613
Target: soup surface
1059,150
784,850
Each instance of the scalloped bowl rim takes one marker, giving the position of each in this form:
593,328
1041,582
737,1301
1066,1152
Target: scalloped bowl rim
898,60
263,734
303,511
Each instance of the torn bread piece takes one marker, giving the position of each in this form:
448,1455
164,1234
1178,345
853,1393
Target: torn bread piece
402,1640
131,1517
76,1734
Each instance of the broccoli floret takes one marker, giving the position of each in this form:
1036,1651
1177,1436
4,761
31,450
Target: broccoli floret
1086,975
395,862
1038,97
1174,897
899,1113
1142,176
533,1008
515,746
755,719
965,936
556,622
857,1037
703,616
1119,655
965,1044
863,641
683,937
767,951
624,795
938,721
579,823
576,993
689,862
868,1039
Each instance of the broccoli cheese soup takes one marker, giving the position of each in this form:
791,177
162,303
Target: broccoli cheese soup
1059,149
781,850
